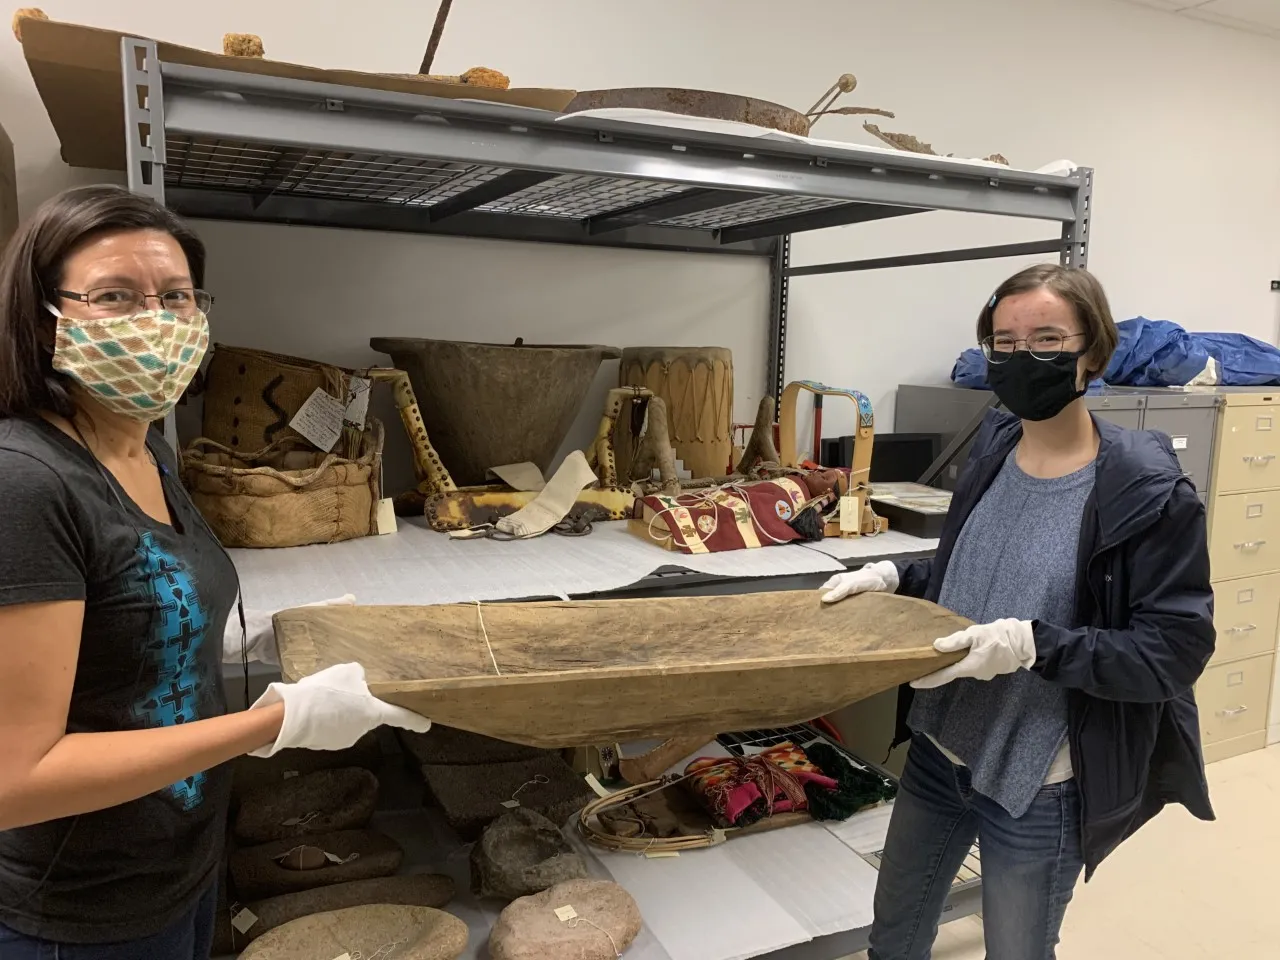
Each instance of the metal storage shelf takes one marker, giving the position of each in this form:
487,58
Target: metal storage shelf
223,144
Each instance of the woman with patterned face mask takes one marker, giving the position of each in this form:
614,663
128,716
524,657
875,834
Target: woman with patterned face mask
114,596
1080,552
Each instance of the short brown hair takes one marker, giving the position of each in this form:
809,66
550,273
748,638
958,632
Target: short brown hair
1082,291
32,267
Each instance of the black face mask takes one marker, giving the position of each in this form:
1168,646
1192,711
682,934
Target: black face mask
1035,389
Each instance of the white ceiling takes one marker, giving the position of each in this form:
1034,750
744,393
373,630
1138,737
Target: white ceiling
1254,16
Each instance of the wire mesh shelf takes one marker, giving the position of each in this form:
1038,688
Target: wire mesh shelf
264,169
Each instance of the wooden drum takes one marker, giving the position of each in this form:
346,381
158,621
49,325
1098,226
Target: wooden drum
697,385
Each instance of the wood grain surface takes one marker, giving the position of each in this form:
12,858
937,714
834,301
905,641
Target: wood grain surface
600,671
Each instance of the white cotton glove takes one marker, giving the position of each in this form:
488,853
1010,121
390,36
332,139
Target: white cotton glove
331,710
1005,646
260,636
879,577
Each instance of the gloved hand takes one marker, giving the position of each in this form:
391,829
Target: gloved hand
1004,646
331,710
260,638
879,577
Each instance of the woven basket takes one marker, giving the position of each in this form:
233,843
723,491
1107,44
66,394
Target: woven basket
287,494
251,395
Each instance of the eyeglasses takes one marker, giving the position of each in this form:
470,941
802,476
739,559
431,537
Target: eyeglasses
116,301
1042,346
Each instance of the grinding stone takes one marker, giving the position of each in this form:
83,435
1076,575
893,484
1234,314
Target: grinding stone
419,890
472,796
449,745
420,932
249,773
522,853
530,930
255,874
320,802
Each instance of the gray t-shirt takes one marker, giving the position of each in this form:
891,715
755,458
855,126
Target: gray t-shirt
1015,557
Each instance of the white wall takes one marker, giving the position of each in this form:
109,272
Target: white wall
1181,120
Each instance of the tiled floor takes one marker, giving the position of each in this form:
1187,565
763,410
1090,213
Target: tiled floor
1180,889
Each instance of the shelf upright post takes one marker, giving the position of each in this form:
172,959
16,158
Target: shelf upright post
144,137
780,283
1075,233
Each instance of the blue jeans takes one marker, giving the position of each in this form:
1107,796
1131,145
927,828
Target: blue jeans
1029,865
188,938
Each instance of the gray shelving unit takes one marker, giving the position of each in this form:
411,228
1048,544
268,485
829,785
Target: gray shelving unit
227,145
221,144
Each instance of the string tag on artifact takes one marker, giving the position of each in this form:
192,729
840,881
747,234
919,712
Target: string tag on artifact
661,854
718,835
513,802
569,916
300,822
320,419
243,920
386,522
850,515
358,404
334,858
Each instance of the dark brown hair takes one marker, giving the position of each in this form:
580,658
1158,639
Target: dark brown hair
31,269
1082,291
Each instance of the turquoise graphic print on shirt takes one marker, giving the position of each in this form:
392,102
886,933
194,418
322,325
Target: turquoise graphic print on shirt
174,651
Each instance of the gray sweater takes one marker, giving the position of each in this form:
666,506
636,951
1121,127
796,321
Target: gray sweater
1015,557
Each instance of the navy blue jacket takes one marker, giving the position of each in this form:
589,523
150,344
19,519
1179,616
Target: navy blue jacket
1142,634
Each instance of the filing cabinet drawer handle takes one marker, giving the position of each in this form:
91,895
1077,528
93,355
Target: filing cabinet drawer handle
1264,460
1250,545
1233,711
1243,629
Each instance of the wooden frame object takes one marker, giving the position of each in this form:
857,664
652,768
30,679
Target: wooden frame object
560,674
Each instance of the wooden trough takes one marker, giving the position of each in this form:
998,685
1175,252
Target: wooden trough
603,671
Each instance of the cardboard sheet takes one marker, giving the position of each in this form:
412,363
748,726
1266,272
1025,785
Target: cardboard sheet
419,566
77,71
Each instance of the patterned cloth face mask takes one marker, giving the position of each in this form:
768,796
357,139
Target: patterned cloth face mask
137,365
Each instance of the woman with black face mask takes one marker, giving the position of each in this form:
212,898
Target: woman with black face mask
1080,552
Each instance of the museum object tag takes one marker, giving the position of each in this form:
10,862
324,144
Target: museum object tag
386,516
511,804
566,913
661,854
244,920
850,515
594,783
320,419
358,406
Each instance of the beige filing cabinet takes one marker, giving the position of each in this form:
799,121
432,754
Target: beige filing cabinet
1244,552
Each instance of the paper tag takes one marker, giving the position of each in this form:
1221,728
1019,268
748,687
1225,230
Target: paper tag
1179,443
596,785
850,514
661,854
244,920
718,836
320,419
511,804
290,774
386,516
358,405
334,858
345,956
566,913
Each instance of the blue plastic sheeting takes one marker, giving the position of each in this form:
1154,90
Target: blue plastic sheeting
1159,353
